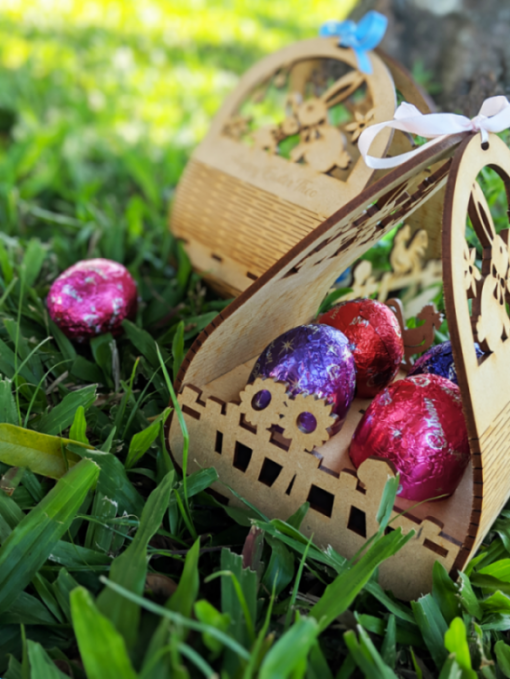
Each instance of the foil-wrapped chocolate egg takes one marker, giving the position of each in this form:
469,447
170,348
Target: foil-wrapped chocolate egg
438,360
312,359
91,298
375,340
417,424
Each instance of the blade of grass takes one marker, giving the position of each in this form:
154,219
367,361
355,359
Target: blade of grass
41,664
184,430
178,348
62,415
41,453
197,660
142,441
102,648
78,431
32,540
130,568
179,619
295,589
184,597
290,650
432,627
240,596
344,589
8,411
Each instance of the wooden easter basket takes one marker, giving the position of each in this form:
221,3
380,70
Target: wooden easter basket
239,208
264,456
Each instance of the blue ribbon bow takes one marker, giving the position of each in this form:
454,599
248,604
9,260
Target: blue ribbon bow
361,37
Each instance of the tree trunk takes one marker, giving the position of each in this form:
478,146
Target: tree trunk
460,48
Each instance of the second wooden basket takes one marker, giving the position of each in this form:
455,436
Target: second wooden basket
281,156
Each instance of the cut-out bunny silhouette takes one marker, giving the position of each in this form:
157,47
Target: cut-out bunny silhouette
489,312
322,146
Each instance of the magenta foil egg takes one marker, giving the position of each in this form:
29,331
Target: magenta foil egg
418,425
312,359
91,298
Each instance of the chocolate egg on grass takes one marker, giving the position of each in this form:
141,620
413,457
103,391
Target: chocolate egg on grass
312,359
438,360
375,340
417,424
91,298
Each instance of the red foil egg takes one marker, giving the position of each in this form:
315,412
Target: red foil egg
418,424
375,340
91,298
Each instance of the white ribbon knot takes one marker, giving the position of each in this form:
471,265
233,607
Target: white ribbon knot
494,116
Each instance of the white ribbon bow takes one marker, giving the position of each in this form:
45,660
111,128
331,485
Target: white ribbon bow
494,116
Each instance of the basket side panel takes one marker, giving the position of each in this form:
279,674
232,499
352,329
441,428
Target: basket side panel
476,310
278,474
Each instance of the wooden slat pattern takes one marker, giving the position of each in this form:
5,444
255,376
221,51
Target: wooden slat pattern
236,220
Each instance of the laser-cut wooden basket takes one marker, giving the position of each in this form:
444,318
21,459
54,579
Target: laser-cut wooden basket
240,208
279,470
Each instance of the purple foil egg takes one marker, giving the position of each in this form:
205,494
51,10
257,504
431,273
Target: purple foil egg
91,298
312,359
438,360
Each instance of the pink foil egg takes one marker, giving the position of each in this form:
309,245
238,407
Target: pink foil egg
418,425
91,298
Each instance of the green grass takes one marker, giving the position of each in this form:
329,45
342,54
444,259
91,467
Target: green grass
110,564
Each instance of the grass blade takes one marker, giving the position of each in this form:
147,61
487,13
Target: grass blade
41,664
432,627
143,440
366,656
78,431
178,348
62,415
185,595
184,429
290,650
179,619
8,410
130,568
41,453
102,648
32,540
343,590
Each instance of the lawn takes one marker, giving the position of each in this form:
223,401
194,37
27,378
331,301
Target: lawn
110,566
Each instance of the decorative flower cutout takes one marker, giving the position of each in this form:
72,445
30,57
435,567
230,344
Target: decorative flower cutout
237,127
471,272
360,122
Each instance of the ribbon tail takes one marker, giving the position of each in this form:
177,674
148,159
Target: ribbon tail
388,163
364,63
